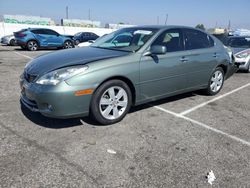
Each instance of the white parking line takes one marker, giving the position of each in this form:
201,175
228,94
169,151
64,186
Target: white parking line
28,57
203,125
212,100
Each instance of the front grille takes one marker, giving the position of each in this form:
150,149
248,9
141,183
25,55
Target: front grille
29,77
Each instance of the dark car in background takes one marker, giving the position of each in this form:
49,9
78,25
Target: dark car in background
84,37
34,38
240,46
222,37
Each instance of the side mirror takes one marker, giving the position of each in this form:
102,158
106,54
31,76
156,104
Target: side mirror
91,41
156,50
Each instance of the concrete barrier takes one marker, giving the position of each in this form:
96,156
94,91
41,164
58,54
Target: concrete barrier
8,29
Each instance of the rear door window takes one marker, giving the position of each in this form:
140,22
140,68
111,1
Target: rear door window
195,39
38,31
49,32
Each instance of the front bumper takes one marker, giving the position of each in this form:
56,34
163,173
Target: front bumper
55,101
5,41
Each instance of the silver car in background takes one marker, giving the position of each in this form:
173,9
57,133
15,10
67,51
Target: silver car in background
240,46
9,40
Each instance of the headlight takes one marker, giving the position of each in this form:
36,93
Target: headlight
243,54
54,77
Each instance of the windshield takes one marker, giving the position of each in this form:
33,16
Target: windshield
242,42
127,39
78,34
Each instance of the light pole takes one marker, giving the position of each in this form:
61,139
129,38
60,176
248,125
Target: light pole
89,13
67,12
166,19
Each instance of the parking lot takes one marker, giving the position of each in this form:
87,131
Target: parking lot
170,143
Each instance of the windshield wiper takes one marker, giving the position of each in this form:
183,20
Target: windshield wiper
111,49
118,49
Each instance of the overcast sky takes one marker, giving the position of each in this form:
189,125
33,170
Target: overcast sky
138,12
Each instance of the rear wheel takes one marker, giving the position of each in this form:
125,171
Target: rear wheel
68,44
12,42
32,45
23,47
215,82
111,102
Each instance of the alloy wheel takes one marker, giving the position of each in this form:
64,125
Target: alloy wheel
113,103
32,46
68,44
77,42
216,81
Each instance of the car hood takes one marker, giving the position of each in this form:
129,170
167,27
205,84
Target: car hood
69,57
68,36
237,50
8,36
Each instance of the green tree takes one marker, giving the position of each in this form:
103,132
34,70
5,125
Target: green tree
200,26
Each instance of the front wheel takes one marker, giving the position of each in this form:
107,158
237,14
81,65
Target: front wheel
77,42
111,102
215,82
248,68
12,42
68,44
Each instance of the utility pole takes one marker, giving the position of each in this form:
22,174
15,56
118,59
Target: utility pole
67,12
229,25
89,13
166,19
158,20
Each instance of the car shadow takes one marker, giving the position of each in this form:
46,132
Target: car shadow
47,122
165,100
53,123
41,49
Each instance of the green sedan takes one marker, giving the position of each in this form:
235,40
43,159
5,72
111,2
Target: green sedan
129,67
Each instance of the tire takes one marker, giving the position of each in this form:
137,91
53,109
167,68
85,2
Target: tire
32,45
68,44
111,102
248,68
12,42
77,42
216,82
23,47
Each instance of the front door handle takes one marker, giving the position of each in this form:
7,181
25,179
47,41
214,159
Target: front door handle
183,59
215,55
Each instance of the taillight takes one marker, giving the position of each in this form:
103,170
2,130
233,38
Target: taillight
20,35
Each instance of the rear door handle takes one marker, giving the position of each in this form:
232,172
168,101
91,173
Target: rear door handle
183,59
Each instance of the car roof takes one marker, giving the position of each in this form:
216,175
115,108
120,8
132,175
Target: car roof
235,37
39,28
163,27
